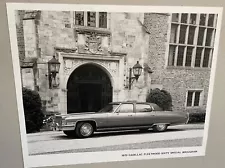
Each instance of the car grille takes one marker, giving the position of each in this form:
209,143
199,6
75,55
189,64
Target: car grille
63,122
58,120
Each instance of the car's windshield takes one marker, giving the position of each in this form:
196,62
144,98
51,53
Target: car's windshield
109,108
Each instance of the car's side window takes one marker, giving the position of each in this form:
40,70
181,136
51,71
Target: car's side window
143,108
126,108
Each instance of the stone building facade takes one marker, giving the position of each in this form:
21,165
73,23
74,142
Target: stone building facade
180,54
96,50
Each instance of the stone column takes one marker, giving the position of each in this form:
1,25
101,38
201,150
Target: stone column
30,41
62,87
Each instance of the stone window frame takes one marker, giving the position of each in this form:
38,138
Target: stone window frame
200,98
178,49
97,19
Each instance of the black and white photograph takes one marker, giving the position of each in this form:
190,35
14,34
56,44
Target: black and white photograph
99,83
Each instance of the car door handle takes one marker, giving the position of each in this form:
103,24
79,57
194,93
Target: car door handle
130,115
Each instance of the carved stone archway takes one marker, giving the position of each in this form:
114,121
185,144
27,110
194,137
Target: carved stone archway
113,66
89,88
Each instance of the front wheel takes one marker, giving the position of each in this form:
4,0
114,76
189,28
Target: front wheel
84,130
160,128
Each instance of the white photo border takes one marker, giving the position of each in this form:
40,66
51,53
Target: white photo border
108,156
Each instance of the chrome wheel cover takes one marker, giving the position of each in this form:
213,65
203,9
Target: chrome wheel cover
86,129
161,127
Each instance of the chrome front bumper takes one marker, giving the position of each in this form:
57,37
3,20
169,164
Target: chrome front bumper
65,127
62,125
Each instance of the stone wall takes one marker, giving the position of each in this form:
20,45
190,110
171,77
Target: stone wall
28,78
52,32
26,41
175,80
128,36
55,30
178,81
143,37
157,26
30,41
20,34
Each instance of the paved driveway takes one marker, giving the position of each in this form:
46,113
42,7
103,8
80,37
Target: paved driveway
56,142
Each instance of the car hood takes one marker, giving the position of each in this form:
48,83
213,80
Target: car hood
75,115
82,113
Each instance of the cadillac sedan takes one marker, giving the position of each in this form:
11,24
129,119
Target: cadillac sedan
119,116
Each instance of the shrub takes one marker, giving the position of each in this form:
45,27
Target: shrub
196,117
32,110
160,97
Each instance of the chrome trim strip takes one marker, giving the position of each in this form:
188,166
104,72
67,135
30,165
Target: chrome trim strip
160,123
117,108
68,127
84,121
188,118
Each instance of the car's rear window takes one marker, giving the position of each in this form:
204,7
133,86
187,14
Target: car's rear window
156,107
143,108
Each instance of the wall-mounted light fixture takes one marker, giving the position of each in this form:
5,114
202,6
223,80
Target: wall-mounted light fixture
53,69
137,70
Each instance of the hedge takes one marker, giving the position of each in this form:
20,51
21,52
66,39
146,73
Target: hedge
196,117
160,97
32,110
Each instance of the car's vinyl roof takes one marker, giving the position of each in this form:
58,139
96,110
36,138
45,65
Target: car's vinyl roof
155,106
118,102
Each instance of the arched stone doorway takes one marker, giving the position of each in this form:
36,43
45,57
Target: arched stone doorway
89,88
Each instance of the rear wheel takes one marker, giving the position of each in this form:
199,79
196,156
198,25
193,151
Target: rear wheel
84,129
160,127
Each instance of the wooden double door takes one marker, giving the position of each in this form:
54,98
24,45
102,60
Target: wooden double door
89,89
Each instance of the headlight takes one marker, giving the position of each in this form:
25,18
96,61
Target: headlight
63,122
